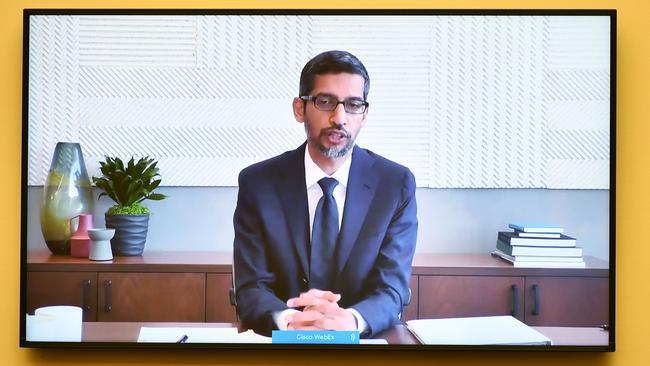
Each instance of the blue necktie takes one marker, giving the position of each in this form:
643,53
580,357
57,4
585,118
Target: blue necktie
323,239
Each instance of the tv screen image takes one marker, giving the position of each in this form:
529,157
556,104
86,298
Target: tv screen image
460,197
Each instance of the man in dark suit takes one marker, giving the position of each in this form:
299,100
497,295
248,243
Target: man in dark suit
325,234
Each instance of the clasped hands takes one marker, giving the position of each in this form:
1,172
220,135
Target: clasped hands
321,311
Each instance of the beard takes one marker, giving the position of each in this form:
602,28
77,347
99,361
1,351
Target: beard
333,151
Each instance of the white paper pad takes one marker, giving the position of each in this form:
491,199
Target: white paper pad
251,337
194,335
373,341
491,330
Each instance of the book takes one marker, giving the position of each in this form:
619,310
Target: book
512,239
536,227
535,258
540,264
482,330
537,235
539,251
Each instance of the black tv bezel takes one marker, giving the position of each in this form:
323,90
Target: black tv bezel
611,13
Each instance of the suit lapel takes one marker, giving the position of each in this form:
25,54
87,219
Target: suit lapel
360,191
293,197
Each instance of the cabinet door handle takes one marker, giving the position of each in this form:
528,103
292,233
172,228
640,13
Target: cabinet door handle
107,296
85,293
536,306
515,300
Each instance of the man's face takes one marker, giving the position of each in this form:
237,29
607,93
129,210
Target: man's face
332,133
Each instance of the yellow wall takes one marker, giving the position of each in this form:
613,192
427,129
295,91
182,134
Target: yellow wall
633,185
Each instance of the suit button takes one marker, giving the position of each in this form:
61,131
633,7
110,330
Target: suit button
305,281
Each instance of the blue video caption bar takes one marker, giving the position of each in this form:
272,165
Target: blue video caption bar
315,337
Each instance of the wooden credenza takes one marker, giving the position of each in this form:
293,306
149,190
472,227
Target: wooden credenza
462,285
155,287
194,287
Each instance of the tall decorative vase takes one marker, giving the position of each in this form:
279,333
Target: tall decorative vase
67,193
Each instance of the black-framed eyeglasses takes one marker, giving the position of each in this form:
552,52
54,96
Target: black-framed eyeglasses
329,103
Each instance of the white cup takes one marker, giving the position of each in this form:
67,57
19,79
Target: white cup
54,324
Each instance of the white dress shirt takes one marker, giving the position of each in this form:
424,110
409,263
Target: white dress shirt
314,192
313,173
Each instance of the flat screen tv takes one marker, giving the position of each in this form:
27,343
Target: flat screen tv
472,152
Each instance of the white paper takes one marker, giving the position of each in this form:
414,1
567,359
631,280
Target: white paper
373,341
194,335
198,335
491,330
251,337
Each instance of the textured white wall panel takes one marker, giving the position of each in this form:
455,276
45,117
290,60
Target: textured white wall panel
396,52
53,92
578,115
137,40
158,112
577,174
577,85
185,83
465,102
485,113
235,147
578,42
578,145
576,103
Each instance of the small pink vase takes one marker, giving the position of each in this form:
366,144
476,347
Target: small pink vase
80,241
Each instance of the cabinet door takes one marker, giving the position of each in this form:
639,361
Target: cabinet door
63,288
151,297
464,296
218,306
567,301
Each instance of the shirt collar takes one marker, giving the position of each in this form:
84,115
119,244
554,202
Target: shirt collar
313,172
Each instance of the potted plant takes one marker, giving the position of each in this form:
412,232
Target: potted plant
128,185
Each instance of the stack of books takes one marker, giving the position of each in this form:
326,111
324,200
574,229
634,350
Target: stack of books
533,245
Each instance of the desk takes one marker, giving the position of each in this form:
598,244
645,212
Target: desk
399,334
575,336
561,336
128,331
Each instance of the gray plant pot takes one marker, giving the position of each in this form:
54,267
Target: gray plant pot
130,233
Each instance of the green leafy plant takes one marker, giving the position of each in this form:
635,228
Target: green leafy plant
128,185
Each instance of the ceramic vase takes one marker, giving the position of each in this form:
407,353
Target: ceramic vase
100,246
80,241
66,193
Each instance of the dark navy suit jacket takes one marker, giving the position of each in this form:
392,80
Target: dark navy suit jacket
375,248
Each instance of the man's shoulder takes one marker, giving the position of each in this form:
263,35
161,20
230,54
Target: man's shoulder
384,165
272,166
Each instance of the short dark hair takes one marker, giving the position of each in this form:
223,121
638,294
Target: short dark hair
332,62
